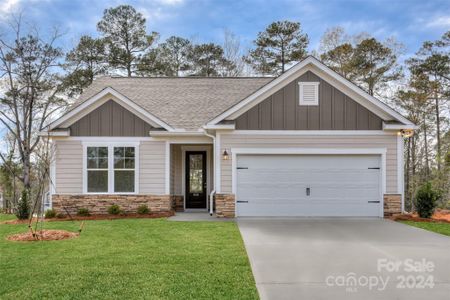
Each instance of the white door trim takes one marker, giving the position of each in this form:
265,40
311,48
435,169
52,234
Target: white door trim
183,171
311,151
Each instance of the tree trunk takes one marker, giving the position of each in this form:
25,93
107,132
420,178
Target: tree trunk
438,132
407,171
427,159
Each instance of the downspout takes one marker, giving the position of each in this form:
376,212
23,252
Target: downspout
211,195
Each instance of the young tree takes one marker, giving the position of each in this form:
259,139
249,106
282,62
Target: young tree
28,67
124,30
208,60
86,61
281,43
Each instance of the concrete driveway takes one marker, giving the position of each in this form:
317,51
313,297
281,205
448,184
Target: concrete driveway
339,259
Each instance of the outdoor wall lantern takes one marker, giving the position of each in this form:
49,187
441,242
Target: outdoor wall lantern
406,133
225,155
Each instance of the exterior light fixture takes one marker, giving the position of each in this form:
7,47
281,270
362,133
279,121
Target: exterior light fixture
406,133
225,155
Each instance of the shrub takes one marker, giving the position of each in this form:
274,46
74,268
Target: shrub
114,209
50,213
426,200
143,209
60,216
83,212
23,207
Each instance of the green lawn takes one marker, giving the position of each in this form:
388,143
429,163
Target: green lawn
442,228
7,217
128,259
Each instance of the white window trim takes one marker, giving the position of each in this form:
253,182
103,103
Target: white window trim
310,151
302,102
111,146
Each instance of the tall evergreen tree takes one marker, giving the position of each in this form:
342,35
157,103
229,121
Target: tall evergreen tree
208,60
433,61
281,43
86,61
170,58
124,30
375,65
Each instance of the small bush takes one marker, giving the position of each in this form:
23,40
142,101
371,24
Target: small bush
143,209
50,213
23,207
114,209
83,212
426,200
60,216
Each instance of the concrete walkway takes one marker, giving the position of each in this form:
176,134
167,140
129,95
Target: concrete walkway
319,258
197,216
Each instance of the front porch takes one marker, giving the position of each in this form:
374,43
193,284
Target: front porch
192,181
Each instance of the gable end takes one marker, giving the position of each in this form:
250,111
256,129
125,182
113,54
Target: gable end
110,119
335,111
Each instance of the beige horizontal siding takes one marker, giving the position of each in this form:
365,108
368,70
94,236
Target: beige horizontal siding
229,141
69,167
152,167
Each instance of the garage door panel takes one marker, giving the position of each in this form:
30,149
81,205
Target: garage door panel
339,185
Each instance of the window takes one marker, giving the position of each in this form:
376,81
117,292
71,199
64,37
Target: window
97,169
110,169
309,93
123,169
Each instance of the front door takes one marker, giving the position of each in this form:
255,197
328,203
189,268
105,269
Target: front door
196,179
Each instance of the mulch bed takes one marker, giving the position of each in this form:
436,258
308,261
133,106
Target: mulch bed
440,216
98,217
43,235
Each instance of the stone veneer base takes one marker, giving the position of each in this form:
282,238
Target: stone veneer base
99,204
392,204
225,205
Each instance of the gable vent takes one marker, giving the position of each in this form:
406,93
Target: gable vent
309,93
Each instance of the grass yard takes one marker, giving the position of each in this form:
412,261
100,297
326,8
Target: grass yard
7,217
442,228
128,259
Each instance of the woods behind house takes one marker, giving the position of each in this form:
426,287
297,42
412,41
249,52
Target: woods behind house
38,81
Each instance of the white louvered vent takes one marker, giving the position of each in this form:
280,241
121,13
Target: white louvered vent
309,93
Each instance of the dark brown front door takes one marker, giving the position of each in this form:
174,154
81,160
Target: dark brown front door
196,179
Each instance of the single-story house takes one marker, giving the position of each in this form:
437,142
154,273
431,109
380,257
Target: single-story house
306,143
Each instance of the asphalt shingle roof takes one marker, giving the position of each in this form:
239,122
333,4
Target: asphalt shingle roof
184,102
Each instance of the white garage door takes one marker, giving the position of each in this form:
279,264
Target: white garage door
308,185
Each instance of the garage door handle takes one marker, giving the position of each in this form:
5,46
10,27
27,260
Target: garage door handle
241,201
373,201
242,168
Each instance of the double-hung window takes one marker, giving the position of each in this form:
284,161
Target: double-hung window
110,169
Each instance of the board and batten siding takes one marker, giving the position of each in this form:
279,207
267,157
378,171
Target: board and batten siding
229,141
69,167
336,111
110,119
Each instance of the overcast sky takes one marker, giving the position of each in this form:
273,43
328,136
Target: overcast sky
410,21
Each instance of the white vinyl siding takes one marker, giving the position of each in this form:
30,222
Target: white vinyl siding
229,141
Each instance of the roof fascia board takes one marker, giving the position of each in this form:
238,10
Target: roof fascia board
94,102
296,71
398,126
